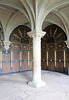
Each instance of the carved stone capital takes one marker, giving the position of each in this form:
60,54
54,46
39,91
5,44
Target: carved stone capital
67,42
7,44
36,34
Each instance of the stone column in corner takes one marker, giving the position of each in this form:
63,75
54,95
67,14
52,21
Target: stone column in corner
37,81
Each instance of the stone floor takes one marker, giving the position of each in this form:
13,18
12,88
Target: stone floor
14,87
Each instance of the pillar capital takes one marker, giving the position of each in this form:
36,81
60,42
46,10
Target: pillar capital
36,34
7,44
67,42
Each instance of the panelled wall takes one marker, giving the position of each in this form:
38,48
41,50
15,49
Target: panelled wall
55,57
18,58
55,54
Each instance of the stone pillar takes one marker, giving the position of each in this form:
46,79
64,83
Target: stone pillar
37,81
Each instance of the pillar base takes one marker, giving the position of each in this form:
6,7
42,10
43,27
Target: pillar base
37,84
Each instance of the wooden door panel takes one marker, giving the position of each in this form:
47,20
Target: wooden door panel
67,67
6,68
24,60
59,55
24,65
30,60
51,65
43,54
60,66
43,64
31,65
51,55
16,60
16,67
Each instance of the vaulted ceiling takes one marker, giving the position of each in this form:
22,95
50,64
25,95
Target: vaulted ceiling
36,14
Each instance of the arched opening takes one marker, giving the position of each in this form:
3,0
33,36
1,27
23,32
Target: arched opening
19,34
54,49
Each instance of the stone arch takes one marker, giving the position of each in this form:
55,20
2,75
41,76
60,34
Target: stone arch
18,21
63,21
51,8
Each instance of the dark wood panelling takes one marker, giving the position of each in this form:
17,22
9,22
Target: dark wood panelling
51,65
43,64
16,58
6,68
67,67
16,67
51,55
43,54
59,54
30,60
60,66
43,58
25,60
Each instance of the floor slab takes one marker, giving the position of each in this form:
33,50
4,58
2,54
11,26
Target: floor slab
15,87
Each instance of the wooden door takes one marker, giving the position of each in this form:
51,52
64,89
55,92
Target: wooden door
60,61
6,66
43,59
51,64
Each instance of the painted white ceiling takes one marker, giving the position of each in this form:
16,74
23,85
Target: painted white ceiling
37,14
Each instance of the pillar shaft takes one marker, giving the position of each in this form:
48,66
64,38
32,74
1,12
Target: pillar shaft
36,58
